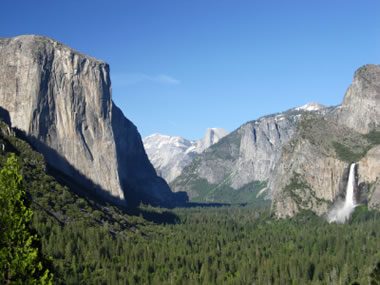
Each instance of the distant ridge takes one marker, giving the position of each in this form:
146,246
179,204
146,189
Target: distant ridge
170,154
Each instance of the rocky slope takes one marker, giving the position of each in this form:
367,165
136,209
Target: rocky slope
61,101
237,167
169,154
313,168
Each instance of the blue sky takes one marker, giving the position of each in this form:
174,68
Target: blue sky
180,66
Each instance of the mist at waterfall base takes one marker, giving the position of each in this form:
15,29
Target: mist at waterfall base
343,209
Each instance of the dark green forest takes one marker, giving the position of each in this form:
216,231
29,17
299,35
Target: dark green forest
85,241
217,246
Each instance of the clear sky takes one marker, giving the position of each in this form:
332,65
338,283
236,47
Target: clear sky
180,66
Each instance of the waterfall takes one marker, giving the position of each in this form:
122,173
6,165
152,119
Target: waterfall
342,212
350,199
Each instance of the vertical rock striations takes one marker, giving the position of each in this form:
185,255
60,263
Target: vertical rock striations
241,163
61,100
360,108
369,173
312,172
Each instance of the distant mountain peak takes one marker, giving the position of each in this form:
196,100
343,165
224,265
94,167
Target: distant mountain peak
170,154
312,106
212,136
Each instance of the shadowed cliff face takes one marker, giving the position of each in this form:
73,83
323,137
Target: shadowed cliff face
61,99
136,173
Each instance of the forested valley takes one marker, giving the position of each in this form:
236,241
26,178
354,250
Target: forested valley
84,241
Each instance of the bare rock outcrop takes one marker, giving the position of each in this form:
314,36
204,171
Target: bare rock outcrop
241,159
61,100
313,169
308,175
369,173
360,108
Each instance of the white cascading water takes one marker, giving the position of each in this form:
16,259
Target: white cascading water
342,212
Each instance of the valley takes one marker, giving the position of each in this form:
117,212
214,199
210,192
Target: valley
259,205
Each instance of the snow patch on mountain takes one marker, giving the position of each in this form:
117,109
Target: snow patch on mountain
171,154
310,107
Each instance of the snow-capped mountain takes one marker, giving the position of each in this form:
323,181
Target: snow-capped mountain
170,154
311,107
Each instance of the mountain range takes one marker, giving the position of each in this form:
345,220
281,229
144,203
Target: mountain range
298,159
60,101
237,168
170,154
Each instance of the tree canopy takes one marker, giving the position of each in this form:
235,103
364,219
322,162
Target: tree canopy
21,261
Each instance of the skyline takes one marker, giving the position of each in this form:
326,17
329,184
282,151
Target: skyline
178,68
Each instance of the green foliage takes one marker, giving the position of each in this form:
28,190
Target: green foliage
301,192
95,243
20,259
226,149
373,137
296,182
228,245
346,153
223,193
333,139
362,214
354,152
375,275
56,208
244,195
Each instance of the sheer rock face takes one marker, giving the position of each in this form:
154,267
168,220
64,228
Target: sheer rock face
246,155
360,109
61,100
369,172
306,178
168,154
260,146
323,182
212,136
311,174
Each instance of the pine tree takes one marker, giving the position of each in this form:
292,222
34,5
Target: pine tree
20,258
375,275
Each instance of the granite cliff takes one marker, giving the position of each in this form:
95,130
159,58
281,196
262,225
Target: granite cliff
236,168
61,101
360,108
299,159
313,169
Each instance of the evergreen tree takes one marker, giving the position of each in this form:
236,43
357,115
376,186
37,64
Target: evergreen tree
20,258
375,275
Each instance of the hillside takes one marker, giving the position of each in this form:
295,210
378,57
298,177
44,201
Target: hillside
92,242
69,220
296,160
313,169
238,167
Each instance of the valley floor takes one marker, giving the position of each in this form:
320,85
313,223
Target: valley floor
237,245
92,242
